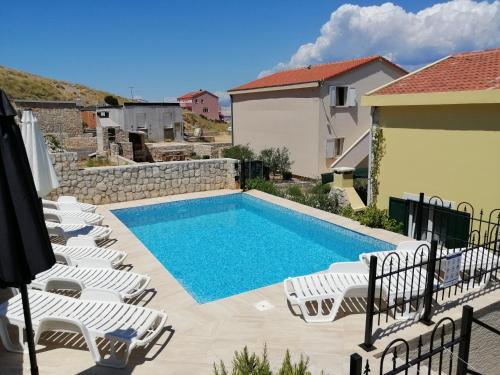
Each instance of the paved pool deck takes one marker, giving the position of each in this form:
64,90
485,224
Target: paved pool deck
199,335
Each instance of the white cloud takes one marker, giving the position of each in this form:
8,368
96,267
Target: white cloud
410,39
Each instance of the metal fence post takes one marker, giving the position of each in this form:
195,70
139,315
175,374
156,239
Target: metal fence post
429,286
356,365
418,218
243,176
464,346
370,305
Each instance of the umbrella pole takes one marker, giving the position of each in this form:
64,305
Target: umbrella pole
29,329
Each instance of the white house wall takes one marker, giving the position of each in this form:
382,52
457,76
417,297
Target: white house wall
349,122
280,118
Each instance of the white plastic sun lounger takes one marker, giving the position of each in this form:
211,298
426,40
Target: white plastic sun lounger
120,323
58,216
126,285
342,280
64,204
82,251
476,258
98,233
349,279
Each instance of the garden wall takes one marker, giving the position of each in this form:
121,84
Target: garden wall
102,185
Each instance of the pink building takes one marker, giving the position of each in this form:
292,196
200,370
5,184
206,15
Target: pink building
201,102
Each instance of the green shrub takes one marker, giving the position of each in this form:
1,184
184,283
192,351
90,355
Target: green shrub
320,188
294,191
278,161
263,185
240,152
253,364
111,100
374,218
283,161
53,143
323,202
268,158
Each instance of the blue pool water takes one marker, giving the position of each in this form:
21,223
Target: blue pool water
221,246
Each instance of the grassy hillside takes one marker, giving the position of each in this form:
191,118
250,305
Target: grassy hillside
191,119
21,85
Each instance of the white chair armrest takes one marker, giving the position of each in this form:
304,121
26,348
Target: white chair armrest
348,267
95,294
66,199
68,206
72,220
63,283
85,241
93,263
162,317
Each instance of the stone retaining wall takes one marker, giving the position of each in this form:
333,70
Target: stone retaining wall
123,183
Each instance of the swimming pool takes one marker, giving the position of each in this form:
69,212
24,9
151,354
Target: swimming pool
221,246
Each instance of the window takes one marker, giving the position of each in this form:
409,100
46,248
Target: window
342,96
334,147
202,101
205,110
196,100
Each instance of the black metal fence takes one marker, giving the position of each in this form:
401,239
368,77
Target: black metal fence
438,355
463,255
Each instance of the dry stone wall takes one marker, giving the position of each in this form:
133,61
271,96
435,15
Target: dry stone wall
138,181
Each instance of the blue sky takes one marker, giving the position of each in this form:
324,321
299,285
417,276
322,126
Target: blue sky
165,48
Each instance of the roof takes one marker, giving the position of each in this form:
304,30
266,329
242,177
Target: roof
469,71
194,94
312,73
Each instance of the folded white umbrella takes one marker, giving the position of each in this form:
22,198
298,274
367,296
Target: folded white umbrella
38,155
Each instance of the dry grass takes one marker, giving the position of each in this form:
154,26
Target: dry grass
191,119
22,85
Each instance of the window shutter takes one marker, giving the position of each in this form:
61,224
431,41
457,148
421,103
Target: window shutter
332,96
330,148
351,97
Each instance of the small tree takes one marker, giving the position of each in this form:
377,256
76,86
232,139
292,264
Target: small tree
240,152
111,100
283,161
268,157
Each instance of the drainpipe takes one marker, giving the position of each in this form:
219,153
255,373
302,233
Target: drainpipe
374,113
232,120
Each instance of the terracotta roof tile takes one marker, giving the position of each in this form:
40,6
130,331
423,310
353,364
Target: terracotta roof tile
194,94
314,73
479,70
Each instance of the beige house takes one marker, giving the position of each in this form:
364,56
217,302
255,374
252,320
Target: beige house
313,111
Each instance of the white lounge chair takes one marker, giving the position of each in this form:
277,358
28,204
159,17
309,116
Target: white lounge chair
473,259
58,216
122,324
67,231
126,285
68,205
82,251
349,279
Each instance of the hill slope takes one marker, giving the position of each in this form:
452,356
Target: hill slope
21,85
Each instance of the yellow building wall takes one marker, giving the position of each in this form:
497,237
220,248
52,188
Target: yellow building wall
452,151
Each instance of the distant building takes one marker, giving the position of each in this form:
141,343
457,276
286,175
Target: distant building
201,102
159,121
313,111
